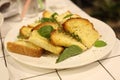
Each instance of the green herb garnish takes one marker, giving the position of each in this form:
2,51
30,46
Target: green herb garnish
69,15
100,43
46,20
74,36
54,14
69,52
45,31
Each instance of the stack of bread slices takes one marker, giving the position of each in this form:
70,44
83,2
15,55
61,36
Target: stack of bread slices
69,29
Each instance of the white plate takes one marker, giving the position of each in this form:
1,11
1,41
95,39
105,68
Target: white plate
3,72
85,58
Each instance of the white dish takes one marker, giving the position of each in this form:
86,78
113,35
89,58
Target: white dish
87,57
3,72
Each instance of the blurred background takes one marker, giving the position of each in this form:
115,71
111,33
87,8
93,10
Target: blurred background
105,10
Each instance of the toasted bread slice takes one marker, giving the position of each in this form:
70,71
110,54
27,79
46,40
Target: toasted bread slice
54,25
65,16
61,16
25,31
25,48
44,43
63,39
84,29
47,14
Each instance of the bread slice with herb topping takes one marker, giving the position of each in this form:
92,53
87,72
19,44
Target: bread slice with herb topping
84,29
44,43
65,16
63,39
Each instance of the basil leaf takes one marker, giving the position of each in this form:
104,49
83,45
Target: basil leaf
45,31
100,43
68,16
69,52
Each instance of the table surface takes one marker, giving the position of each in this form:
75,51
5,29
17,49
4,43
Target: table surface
105,69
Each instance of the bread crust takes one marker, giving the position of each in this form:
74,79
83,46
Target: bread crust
54,25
